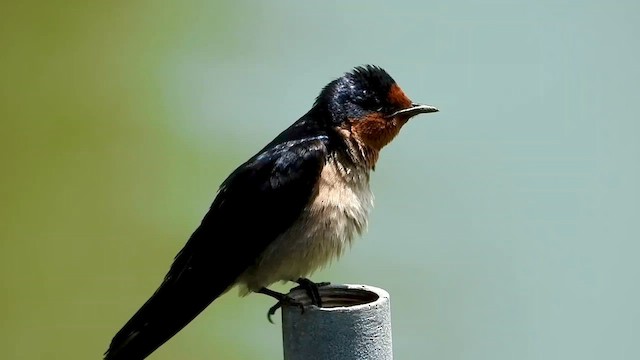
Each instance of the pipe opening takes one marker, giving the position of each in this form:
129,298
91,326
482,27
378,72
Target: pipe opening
333,297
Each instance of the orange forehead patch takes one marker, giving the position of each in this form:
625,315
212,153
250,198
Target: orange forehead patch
398,98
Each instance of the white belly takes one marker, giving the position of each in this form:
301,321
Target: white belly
337,214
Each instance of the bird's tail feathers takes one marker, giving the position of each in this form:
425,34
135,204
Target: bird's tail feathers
169,310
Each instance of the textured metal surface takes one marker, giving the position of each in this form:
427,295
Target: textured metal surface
354,323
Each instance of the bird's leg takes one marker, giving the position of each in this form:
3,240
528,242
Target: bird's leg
282,300
312,290
307,285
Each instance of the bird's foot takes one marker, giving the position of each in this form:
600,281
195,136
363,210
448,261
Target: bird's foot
310,287
286,300
283,299
312,290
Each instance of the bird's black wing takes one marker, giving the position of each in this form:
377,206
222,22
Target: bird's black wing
255,204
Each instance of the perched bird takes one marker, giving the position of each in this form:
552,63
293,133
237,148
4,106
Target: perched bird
288,210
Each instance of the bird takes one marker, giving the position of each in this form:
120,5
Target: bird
290,209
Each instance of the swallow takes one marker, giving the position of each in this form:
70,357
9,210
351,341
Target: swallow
289,210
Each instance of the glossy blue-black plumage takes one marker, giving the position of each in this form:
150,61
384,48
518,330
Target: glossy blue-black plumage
356,94
255,204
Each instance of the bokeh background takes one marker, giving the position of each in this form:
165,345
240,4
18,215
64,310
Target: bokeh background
506,226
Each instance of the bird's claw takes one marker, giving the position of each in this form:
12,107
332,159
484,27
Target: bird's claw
286,300
311,288
307,285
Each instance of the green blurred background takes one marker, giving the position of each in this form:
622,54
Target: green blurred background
506,226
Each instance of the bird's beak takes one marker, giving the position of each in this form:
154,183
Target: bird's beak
414,110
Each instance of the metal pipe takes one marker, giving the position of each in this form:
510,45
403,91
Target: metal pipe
354,323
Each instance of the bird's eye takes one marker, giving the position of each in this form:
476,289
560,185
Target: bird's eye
379,109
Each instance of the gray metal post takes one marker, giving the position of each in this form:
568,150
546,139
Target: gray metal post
353,324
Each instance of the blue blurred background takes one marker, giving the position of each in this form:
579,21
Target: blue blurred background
506,226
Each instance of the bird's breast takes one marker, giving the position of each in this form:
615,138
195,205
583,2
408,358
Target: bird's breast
337,212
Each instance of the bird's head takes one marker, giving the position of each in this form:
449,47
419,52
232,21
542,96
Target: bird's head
368,105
